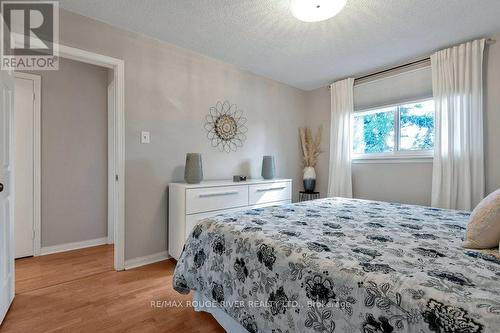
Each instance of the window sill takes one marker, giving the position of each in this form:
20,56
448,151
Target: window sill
393,159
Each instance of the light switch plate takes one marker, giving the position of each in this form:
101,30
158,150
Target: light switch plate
145,137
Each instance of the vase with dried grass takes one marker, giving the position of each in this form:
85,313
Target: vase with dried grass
310,151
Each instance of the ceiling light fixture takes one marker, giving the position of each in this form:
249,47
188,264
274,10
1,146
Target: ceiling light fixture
316,10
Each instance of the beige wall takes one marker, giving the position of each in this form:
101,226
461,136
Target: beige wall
168,91
492,116
318,114
412,182
74,153
394,182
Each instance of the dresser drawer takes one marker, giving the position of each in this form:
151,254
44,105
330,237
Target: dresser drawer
193,219
270,192
215,198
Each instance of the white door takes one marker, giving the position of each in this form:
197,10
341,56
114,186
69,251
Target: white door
6,192
24,112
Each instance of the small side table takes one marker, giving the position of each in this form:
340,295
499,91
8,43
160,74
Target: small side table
306,196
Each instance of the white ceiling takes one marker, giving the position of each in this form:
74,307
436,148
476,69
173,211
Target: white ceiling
261,36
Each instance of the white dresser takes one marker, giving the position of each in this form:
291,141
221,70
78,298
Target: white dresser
189,203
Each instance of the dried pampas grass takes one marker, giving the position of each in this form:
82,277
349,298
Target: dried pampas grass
310,148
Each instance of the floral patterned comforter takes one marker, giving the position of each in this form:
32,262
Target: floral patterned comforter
343,265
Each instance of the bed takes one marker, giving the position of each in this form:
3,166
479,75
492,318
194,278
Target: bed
341,265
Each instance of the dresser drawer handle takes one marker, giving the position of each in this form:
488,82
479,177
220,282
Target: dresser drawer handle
271,189
217,194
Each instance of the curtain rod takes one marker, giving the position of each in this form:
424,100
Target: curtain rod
388,70
413,63
489,41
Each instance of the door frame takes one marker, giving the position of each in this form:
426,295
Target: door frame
116,150
111,165
116,145
37,162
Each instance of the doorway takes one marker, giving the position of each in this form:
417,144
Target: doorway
66,147
28,235
74,176
7,178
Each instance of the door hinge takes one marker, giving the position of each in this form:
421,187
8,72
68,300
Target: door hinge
33,234
34,96
116,177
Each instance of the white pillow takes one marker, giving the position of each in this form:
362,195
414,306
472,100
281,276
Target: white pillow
483,230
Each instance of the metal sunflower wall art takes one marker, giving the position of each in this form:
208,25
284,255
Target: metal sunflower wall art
225,126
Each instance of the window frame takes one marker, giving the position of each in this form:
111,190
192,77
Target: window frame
396,154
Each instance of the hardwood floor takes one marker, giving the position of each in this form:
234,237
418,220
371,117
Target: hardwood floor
45,271
78,291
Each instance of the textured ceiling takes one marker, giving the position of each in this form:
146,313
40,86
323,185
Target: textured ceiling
261,36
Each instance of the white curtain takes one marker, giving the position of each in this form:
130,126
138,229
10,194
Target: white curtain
457,84
342,106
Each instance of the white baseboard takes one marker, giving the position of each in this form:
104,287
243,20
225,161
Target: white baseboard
146,260
73,246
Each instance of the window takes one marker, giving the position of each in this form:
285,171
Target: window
405,130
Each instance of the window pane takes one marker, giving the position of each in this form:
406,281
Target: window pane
373,132
417,126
